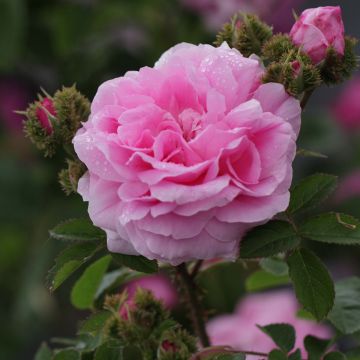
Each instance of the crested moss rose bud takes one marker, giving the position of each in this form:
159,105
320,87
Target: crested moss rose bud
69,177
319,29
246,33
176,344
45,112
53,121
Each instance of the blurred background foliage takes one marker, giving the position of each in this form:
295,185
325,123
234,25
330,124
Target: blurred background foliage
60,42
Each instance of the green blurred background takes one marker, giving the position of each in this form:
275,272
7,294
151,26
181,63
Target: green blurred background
50,43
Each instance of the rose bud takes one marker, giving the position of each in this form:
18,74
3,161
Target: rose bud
43,112
319,29
168,346
296,67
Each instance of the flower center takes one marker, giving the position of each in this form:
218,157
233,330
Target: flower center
190,122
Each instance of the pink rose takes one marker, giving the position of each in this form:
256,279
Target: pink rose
46,109
184,157
239,330
318,29
159,285
347,106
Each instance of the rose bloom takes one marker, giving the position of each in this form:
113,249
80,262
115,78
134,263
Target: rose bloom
347,106
160,286
239,330
318,29
183,158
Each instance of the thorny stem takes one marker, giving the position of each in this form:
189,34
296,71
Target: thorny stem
196,310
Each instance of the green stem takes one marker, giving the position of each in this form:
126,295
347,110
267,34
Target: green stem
196,311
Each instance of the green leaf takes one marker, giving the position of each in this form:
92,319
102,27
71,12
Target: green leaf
313,285
114,279
283,335
304,314
84,290
277,355
315,347
69,260
261,280
238,356
275,266
296,355
95,323
111,350
138,263
335,355
345,314
67,355
43,353
131,353
269,239
77,230
332,228
310,153
311,191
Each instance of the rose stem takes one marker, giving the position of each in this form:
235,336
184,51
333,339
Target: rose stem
196,310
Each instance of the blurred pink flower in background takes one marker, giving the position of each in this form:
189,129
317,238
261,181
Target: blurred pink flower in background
239,330
349,186
347,106
159,285
14,95
216,12
317,30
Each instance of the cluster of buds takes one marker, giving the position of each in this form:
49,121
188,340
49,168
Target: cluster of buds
315,51
51,123
144,322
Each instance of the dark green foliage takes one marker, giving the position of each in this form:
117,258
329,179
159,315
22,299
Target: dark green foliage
283,335
269,239
84,291
277,355
77,230
261,280
69,260
332,228
43,353
345,314
316,347
311,191
138,263
313,285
